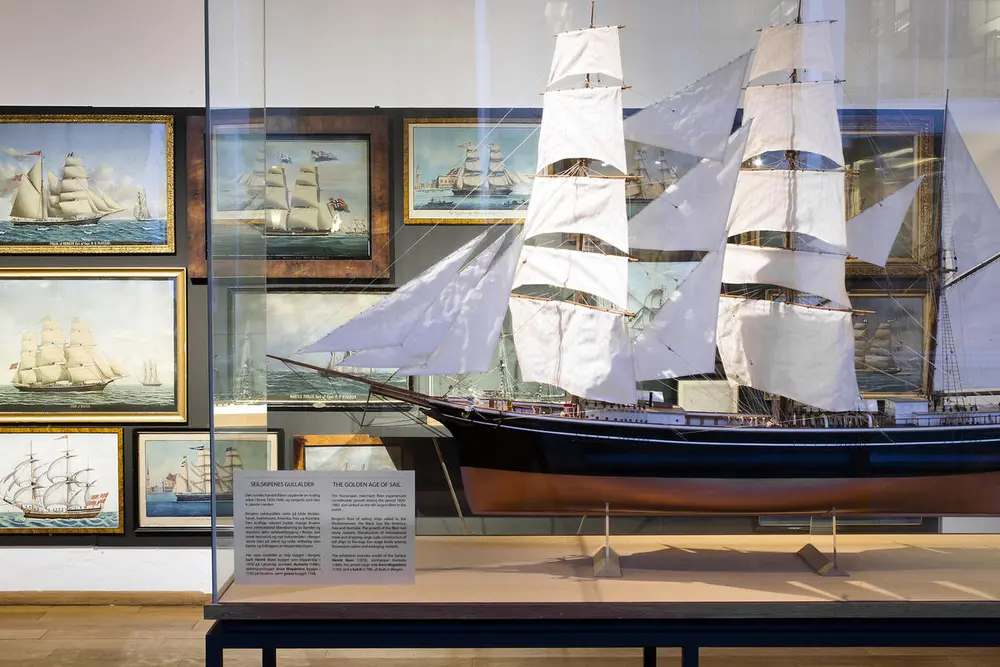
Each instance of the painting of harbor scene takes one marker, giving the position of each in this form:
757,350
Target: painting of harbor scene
889,343
468,172
176,474
306,197
61,480
92,345
93,184
294,320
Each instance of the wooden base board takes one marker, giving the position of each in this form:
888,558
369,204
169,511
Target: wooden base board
100,598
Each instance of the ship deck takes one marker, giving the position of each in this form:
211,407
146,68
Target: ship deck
671,576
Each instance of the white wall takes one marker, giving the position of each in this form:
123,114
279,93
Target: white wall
114,569
461,53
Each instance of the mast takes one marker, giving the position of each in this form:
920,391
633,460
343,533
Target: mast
45,199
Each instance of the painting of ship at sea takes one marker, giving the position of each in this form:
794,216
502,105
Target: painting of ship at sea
56,489
66,201
51,364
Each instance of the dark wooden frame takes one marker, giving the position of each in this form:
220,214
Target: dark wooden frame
301,123
300,442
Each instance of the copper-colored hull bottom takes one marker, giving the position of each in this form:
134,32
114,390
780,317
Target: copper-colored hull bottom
525,493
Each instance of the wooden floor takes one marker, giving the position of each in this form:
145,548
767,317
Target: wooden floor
173,637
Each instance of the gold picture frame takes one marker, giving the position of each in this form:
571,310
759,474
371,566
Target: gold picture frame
34,307
357,441
909,370
44,447
80,237
524,139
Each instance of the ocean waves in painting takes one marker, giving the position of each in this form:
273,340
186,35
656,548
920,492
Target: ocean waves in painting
114,398
107,232
16,521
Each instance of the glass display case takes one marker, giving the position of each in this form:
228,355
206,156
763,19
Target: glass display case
718,302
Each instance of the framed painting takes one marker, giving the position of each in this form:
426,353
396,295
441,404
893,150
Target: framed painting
86,184
61,480
295,318
93,345
891,343
175,467
344,453
312,192
443,162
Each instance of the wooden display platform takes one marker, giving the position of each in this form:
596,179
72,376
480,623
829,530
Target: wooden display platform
677,576
690,592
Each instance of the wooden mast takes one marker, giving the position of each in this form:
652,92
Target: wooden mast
782,407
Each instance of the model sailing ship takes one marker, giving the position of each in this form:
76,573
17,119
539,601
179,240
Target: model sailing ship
50,364
600,445
194,481
140,211
150,375
56,489
66,201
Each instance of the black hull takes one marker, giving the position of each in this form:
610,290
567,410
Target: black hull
523,464
71,222
202,497
61,389
479,192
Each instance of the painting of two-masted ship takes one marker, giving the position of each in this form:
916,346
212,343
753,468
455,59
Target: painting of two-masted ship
60,481
68,184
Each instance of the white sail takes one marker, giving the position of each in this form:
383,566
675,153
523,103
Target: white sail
587,51
74,171
49,354
27,377
975,321
73,208
806,354
680,339
794,46
472,338
692,213
970,225
307,177
27,361
794,116
780,200
580,205
78,355
816,273
305,196
84,374
582,123
871,233
275,178
603,275
585,351
697,119
54,187
28,199
433,326
51,373
306,219
81,337
181,479
390,320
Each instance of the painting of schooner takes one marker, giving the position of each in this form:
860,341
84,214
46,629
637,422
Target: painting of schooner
48,363
178,470
85,181
808,443
66,481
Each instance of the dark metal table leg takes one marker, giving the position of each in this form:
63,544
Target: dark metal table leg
269,657
213,651
648,656
689,656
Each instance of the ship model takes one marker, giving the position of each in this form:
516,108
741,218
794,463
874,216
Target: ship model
296,210
819,447
49,364
66,201
150,375
645,187
194,481
56,489
140,211
471,180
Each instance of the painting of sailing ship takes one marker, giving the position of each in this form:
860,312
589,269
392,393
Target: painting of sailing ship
61,480
93,345
90,184
309,197
292,317
355,452
176,473
889,343
468,172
